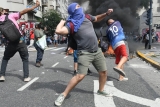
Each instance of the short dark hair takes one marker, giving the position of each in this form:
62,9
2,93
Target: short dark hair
107,22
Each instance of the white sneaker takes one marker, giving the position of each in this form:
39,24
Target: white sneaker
2,79
59,100
27,79
124,79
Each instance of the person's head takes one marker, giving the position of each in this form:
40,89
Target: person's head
39,26
45,28
73,8
5,11
1,10
110,21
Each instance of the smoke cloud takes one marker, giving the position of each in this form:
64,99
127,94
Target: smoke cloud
124,11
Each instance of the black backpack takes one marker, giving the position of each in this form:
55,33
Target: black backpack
9,30
103,43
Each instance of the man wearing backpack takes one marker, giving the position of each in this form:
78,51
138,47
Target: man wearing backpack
13,47
87,48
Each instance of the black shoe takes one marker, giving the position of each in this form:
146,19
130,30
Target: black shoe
75,72
89,72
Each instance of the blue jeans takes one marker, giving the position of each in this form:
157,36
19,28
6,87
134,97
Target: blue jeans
75,56
10,51
40,53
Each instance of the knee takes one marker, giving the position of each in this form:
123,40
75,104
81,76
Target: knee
79,77
25,58
103,73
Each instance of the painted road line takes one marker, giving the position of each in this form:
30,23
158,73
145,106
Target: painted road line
144,66
55,64
102,101
65,57
129,97
28,84
58,49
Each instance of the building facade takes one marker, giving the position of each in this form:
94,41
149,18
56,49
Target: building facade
62,6
58,5
155,20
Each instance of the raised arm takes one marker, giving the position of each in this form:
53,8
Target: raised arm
30,9
61,29
102,16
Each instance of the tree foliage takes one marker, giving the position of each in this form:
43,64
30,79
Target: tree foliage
51,20
144,3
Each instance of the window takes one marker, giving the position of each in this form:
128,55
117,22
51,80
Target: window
158,9
16,1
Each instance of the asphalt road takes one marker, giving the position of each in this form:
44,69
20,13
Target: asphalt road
141,90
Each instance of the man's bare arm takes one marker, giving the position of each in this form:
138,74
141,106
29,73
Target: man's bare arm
102,16
30,9
61,29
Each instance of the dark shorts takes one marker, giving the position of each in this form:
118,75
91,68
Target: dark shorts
86,58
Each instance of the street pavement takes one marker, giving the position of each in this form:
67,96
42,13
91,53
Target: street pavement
141,90
152,55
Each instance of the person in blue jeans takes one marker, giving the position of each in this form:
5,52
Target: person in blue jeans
76,64
38,34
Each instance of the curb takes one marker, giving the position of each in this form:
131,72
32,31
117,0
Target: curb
152,62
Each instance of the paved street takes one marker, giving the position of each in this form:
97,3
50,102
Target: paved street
141,90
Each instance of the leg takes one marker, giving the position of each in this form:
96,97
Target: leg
8,53
40,53
102,80
22,49
122,61
73,82
146,44
99,63
75,61
82,71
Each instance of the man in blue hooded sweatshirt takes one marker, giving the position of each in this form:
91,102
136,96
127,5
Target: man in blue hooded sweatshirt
87,48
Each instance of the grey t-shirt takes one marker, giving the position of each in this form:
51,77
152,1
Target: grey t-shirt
38,34
85,36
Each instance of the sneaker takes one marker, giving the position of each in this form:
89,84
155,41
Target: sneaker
124,79
38,65
103,93
27,79
120,71
89,72
41,64
2,79
59,100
